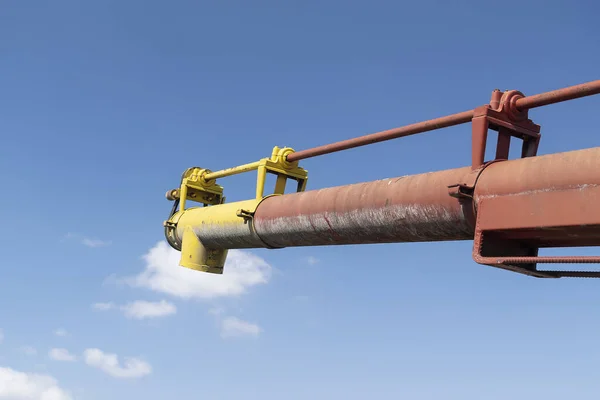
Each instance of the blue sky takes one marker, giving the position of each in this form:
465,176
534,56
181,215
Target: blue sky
104,104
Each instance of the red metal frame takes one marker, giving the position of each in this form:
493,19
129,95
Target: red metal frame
510,229
505,226
502,116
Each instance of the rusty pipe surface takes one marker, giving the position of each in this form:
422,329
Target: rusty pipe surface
551,172
555,96
413,208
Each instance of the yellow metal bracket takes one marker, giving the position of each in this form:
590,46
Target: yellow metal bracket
195,187
200,186
277,164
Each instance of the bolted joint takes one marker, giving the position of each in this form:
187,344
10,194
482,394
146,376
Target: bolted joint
508,105
279,156
173,194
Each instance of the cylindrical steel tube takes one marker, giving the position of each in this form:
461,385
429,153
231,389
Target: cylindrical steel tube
219,227
437,123
416,208
231,171
542,173
556,96
413,208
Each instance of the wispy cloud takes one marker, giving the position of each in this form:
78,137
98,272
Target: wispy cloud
235,327
146,309
312,260
103,306
140,309
61,332
28,350
95,242
61,355
216,311
21,385
88,241
163,274
109,363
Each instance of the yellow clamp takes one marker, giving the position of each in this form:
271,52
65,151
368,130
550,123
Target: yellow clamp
277,164
199,185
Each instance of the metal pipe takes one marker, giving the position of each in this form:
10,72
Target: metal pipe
231,171
555,96
437,123
557,171
414,208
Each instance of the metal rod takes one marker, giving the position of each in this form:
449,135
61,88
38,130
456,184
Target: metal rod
232,171
555,96
437,123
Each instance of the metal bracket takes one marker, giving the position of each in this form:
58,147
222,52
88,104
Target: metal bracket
502,116
279,165
195,187
511,229
464,192
199,185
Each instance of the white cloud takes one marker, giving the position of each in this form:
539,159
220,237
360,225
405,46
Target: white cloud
163,274
216,311
86,241
95,242
146,309
16,385
109,363
103,306
235,327
61,355
29,350
312,260
140,309
61,332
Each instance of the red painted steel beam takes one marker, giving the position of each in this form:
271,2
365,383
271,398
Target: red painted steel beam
524,103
